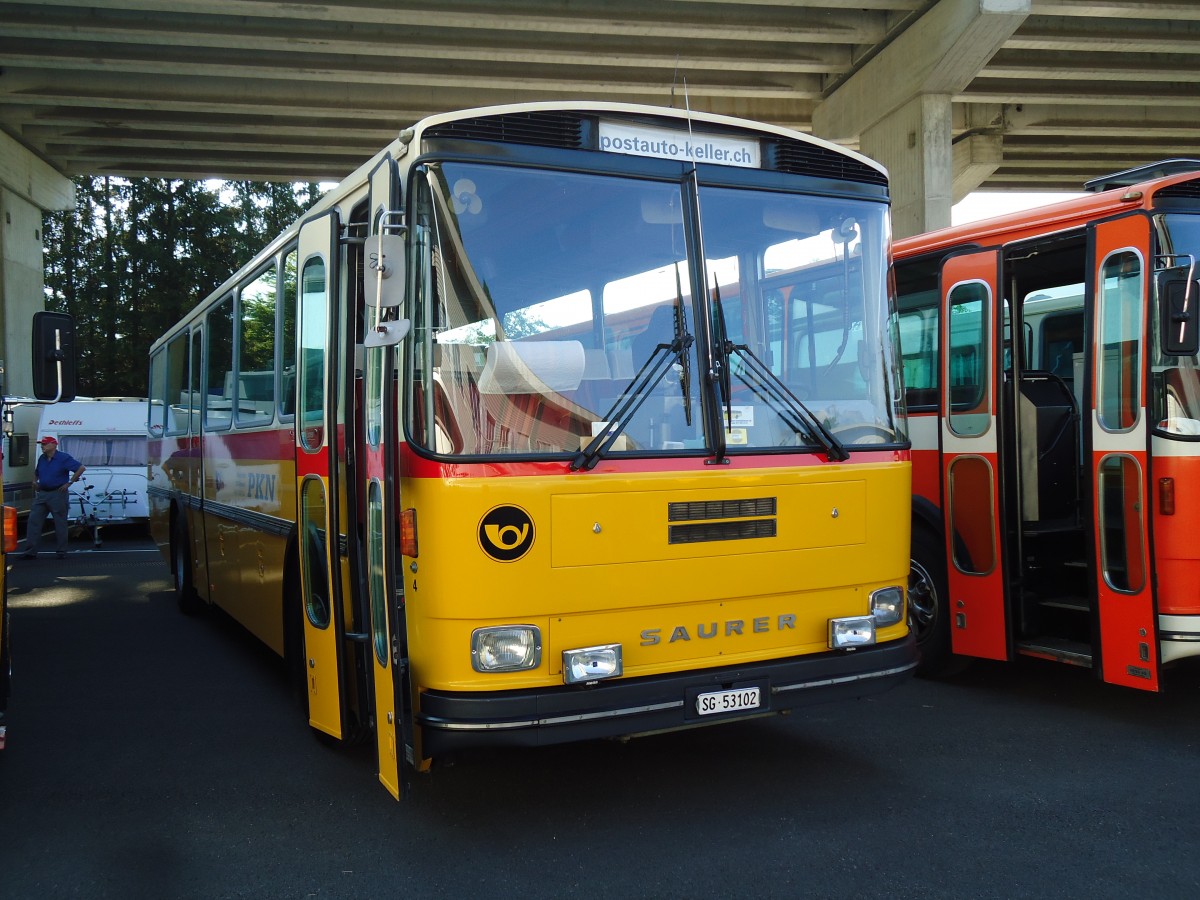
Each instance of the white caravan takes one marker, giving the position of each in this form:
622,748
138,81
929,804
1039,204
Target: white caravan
108,435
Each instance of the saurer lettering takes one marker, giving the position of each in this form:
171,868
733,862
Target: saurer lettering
731,628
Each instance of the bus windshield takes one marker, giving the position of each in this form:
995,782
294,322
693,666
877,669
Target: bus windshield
553,306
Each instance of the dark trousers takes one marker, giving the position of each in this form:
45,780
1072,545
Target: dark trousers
55,503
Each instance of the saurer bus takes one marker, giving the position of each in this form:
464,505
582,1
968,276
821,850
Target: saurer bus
1050,363
552,422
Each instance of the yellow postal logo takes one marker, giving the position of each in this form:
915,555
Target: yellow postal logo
506,533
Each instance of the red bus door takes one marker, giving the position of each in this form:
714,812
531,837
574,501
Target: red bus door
380,486
1128,644
970,483
316,473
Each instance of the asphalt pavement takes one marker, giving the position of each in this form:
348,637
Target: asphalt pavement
159,756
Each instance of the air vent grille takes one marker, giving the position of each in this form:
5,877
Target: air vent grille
800,158
721,509
544,129
1186,189
703,532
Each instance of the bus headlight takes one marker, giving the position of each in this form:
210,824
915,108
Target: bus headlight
506,648
851,632
591,663
887,605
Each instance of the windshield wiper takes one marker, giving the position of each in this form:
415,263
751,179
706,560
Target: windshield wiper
772,390
653,370
768,387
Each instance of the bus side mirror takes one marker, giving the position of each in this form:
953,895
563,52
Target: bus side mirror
53,356
383,275
1178,300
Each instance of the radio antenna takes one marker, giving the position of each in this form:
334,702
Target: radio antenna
674,78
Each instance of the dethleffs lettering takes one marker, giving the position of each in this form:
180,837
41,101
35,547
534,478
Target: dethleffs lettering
730,628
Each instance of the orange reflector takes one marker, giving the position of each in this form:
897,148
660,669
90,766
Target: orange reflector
10,529
408,533
1166,496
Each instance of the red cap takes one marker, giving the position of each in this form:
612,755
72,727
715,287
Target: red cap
48,440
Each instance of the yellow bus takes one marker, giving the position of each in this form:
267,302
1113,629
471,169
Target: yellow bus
552,422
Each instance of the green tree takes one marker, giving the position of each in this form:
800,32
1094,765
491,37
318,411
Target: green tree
136,254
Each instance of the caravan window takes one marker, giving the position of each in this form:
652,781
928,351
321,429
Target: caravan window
94,450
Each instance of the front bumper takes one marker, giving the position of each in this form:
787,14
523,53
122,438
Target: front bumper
453,721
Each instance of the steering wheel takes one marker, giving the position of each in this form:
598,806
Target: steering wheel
864,433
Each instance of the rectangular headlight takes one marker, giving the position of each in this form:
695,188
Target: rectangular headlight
852,631
591,663
887,605
506,648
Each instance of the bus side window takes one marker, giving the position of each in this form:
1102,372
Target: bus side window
218,367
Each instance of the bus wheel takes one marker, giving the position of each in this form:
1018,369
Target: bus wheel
185,592
928,605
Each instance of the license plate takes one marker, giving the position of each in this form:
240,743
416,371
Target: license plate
727,701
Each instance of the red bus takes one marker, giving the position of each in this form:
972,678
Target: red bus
1050,362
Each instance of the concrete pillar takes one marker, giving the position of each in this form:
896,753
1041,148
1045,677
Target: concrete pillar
898,103
28,187
914,143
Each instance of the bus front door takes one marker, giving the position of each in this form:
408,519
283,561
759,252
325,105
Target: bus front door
970,483
380,486
1128,639
317,440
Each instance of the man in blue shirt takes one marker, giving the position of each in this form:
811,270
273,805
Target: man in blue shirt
55,472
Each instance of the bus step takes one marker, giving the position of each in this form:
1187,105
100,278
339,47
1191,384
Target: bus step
1072,605
1073,653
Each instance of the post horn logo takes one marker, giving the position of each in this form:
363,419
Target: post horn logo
506,533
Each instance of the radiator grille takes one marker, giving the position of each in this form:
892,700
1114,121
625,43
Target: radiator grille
702,532
742,520
721,509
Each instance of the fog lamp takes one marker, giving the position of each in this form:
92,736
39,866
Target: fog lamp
887,605
591,663
506,648
851,632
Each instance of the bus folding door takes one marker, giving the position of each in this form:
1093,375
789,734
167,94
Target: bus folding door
316,474
1121,277
970,480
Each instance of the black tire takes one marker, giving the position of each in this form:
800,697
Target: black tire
929,605
181,559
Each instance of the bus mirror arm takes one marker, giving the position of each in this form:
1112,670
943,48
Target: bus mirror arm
387,334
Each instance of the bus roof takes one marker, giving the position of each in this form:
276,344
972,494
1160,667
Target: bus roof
1047,219
355,182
